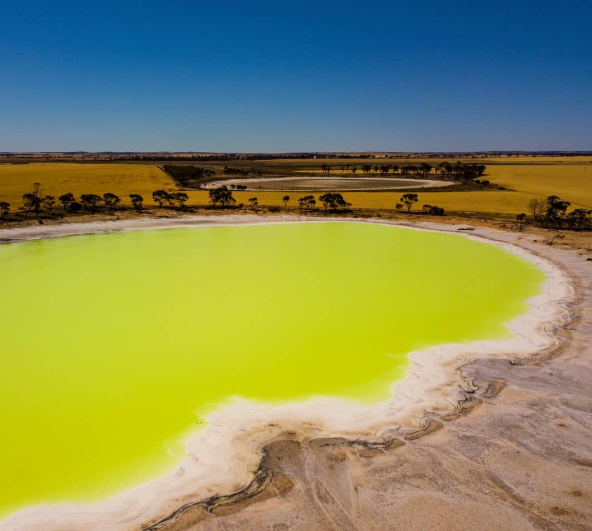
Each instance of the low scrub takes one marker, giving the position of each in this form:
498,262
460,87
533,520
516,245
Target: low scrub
189,176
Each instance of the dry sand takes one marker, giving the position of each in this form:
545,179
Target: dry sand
491,433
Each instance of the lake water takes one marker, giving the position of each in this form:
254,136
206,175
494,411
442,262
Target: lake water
113,347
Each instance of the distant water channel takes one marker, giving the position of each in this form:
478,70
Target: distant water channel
115,346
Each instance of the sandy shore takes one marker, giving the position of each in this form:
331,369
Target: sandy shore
522,458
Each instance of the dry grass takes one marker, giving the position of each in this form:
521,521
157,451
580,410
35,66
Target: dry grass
58,179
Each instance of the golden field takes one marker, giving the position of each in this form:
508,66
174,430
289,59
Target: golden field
570,179
57,179
571,182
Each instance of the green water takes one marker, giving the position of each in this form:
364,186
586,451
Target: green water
113,346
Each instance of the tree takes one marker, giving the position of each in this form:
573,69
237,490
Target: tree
354,169
32,200
408,200
67,200
137,200
221,195
111,200
48,202
333,200
170,199
556,209
253,202
90,201
4,209
75,207
399,206
286,199
425,168
538,208
160,197
308,202
580,218
521,218
179,199
436,211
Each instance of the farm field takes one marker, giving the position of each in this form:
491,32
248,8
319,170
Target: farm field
571,182
57,179
570,179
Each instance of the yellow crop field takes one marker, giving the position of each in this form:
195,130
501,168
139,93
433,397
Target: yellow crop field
571,182
58,179
483,202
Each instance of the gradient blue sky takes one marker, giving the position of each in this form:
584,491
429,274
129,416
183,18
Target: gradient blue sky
295,76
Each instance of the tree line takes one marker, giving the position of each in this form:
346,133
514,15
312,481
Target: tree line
331,200
231,170
35,201
459,170
551,213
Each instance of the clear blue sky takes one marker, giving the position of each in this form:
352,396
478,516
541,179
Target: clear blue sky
238,75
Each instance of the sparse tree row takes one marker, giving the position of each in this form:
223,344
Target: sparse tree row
35,201
551,212
332,201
